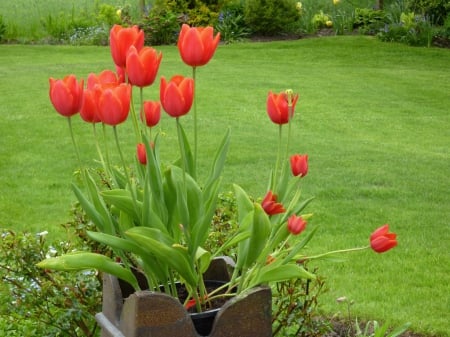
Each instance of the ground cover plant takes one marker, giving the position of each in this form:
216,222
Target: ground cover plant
414,22
377,121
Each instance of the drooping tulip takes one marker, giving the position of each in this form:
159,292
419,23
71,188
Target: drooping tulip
152,113
142,66
270,204
299,165
296,224
278,107
197,45
121,39
177,95
114,104
66,95
381,240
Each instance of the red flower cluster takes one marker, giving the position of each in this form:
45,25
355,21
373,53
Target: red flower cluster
107,98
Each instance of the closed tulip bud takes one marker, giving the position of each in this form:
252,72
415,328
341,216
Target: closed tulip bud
142,66
89,109
152,113
121,39
114,104
105,78
296,224
177,95
299,165
381,240
66,95
141,153
197,45
270,204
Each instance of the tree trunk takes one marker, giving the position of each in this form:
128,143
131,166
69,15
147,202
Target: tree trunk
379,4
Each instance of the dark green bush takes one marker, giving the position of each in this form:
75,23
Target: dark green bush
271,17
436,11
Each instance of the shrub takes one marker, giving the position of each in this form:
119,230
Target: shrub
435,11
271,17
161,26
369,21
231,23
42,303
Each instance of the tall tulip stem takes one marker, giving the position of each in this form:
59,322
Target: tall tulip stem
195,120
277,164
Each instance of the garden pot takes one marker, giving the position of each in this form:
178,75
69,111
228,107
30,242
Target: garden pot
154,314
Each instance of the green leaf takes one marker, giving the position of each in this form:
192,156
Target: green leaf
298,246
204,259
123,200
162,246
188,157
277,273
86,260
259,234
243,202
219,160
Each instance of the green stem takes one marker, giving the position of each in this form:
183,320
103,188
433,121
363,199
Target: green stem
277,164
125,169
135,120
182,150
195,120
77,152
338,252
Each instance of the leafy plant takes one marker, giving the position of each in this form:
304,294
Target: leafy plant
270,17
231,25
54,304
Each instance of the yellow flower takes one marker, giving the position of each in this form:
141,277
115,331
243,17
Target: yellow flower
329,23
335,2
119,13
299,6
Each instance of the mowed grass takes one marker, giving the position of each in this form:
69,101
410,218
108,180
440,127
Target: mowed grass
373,117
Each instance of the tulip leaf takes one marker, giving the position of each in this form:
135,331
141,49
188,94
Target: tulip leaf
259,232
278,273
187,157
161,246
219,161
86,260
243,202
123,200
298,246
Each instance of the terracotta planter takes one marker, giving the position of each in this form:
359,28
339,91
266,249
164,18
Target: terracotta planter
152,314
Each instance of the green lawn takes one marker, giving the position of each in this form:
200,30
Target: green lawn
373,117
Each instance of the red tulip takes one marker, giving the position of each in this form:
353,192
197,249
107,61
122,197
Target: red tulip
142,66
296,224
278,107
270,204
141,153
66,95
381,240
197,45
299,165
114,104
121,39
177,95
152,113
106,77
89,109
